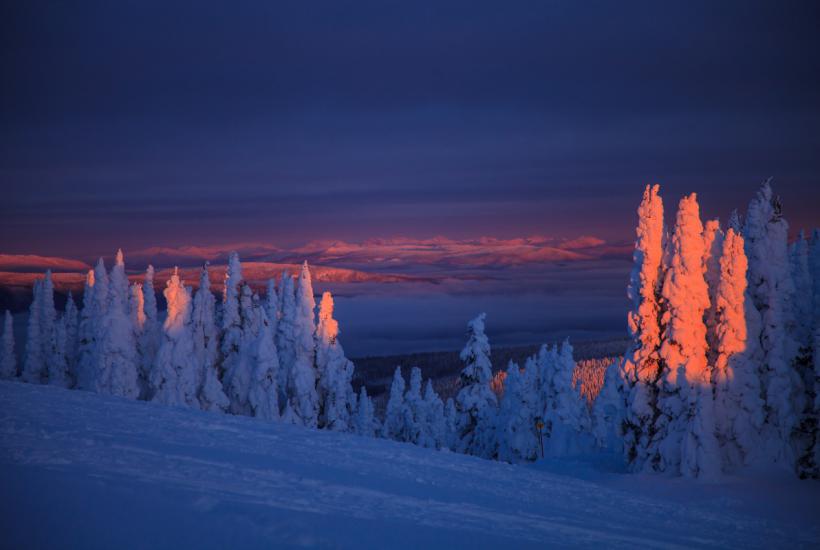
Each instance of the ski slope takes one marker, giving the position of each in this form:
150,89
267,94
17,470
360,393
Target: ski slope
79,470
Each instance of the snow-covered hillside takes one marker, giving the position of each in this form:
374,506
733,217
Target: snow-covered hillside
80,470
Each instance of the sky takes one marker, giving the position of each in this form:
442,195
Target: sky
141,124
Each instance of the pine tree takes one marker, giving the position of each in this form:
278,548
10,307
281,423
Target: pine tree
395,416
136,308
814,268
286,333
712,248
231,335
263,393
87,334
206,343
517,434
34,364
609,410
801,326
771,289
335,371
434,428
173,378
71,327
51,338
415,408
272,307
117,368
151,335
8,359
738,406
304,400
364,420
238,375
641,366
565,416
450,424
476,403
688,445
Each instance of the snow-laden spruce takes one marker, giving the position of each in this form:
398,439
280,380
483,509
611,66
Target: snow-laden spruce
206,347
52,338
173,378
738,405
34,364
608,411
286,334
516,428
150,335
70,323
688,445
335,372
304,401
565,413
641,362
263,387
712,247
433,426
772,292
395,416
476,403
364,421
231,338
240,372
8,359
116,365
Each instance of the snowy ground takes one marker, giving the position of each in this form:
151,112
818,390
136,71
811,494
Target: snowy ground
78,470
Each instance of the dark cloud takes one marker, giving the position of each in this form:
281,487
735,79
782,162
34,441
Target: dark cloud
167,123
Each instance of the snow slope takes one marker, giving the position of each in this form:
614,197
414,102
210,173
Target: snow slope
83,470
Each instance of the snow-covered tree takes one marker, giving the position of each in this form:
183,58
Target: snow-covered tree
566,417
800,322
34,363
151,334
712,248
51,337
608,411
231,320
335,371
687,426
304,401
516,430
117,361
415,408
90,320
272,307
433,432
71,332
173,378
286,333
771,289
801,326
206,347
136,309
8,359
263,392
451,434
738,405
364,421
475,402
395,416
240,371
641,363
813,455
